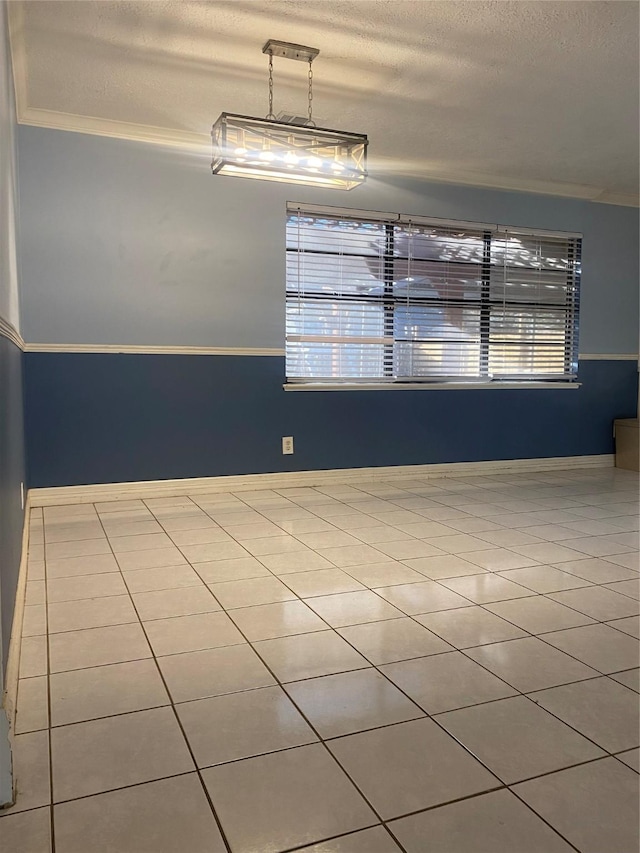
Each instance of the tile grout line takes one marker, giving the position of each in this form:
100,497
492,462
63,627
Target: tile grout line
375,592
49,716
501,786
429,716
278,683
504,785
544,819
159,521
321,740
266,639
177,719
519,692
297,598
454,648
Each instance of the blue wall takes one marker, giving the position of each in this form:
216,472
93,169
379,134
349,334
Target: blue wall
96,418
127,243
12,473
12,464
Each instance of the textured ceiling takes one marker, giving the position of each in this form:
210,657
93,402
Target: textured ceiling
526,95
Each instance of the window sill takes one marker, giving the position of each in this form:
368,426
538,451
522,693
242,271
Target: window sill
428,386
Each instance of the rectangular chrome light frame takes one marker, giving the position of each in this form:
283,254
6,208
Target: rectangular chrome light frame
248,147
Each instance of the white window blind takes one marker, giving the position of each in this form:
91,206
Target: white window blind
375,299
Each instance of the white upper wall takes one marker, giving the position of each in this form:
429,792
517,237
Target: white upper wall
9,303
129,243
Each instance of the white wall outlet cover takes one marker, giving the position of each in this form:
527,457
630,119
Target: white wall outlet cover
287,444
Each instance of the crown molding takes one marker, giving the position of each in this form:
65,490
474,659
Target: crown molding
200,143
129,131
7,330
620,199
495,182
17,49
56,120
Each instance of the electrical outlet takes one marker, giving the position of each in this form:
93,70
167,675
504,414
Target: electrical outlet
287,444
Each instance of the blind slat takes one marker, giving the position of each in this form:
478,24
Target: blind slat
369,298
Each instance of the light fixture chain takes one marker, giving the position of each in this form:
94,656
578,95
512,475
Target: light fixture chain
310,120
270,114
287,147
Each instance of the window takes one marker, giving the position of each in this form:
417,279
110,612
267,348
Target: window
376,298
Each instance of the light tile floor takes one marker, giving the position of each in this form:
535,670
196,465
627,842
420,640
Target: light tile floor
411,665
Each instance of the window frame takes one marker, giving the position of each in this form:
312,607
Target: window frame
485,305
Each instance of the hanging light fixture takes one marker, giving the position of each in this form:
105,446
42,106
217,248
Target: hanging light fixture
293,151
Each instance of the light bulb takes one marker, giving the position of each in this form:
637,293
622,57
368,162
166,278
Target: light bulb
314,162
267,155
290,158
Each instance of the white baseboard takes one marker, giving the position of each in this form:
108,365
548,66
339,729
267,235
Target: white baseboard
10,694
6,772
286,479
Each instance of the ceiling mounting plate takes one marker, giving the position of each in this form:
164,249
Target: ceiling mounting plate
287,50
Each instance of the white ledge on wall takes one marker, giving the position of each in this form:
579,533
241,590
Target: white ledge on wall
146,349
168,349
9,331
426,386
603,356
